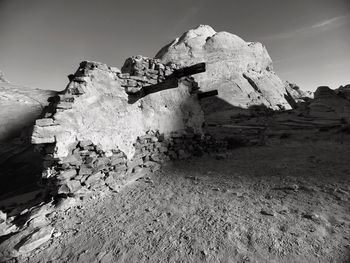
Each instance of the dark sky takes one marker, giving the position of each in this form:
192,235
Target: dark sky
42,41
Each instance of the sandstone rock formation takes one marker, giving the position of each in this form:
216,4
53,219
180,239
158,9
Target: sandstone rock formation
19,108
241,71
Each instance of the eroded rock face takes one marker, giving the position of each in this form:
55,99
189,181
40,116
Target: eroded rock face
96,107
241,71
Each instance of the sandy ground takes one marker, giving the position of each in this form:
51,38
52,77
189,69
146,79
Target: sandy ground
283,202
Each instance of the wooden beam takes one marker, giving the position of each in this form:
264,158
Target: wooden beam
207,94
191,70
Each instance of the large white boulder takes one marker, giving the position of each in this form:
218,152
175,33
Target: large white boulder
241,71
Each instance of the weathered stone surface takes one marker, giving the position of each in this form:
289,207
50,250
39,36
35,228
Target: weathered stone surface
241,71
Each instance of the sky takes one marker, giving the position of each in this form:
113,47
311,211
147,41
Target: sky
43,41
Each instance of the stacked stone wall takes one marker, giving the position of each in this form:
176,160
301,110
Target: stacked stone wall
85,164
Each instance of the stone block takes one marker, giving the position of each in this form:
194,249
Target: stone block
124,75
117,160
69,187
84,143
73,159
67,175
85,170
120,168
93,179
64,105
44,122
113,184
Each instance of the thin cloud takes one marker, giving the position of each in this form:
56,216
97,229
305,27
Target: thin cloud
339,21
332,23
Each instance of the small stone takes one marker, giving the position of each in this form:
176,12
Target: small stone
57,234
84,170
93,179
73,159
66,175
117,160
113,184
137,169
64,105
69,187
267,212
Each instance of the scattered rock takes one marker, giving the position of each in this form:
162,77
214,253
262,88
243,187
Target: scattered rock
267,212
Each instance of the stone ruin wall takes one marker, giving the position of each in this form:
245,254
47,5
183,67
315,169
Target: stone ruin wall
94,134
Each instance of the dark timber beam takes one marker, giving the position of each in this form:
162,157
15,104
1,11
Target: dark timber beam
191,70
207,94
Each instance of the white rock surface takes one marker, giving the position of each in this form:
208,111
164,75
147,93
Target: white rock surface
241,71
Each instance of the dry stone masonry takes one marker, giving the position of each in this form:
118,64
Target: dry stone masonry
109,124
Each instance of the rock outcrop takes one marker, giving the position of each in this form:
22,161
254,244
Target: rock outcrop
241,71
19,108
344,91
328,103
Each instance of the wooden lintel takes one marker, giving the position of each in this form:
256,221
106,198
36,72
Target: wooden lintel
207,94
